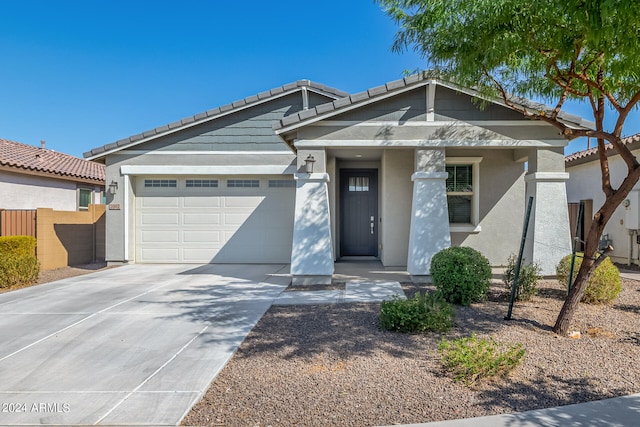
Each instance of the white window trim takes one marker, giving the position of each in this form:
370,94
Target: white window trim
474,227
91,201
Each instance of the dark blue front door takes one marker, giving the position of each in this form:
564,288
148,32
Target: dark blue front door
359,212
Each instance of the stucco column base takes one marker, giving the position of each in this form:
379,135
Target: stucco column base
311,250
429,231
549,234
421,279
310,280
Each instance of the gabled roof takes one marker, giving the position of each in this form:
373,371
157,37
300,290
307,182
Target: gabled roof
214,114
591,154
369,96
27,158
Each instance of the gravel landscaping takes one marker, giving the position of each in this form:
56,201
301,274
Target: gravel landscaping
331,365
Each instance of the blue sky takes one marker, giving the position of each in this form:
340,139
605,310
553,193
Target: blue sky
81,74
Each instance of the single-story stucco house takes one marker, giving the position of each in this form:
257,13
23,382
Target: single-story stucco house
306,174
585,184
35,177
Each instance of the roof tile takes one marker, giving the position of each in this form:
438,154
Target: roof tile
224,109
378,90
23,156
290,86
342,102
305,114
323,108
213,112
360,96
396,84
593,152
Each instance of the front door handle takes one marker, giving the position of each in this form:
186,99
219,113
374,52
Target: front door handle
371,228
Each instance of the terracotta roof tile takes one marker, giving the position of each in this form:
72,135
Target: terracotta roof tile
593,152
23,156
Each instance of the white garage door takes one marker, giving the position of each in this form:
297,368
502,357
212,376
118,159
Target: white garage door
214,220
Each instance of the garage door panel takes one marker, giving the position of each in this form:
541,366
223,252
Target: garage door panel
160,202
242,201
214,225
199,255
160,255
235,218
160,219
201,219
198,202
201,236
159,236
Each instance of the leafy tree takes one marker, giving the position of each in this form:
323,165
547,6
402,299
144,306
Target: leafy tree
557,50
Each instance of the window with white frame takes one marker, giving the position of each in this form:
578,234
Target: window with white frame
462,192
84,198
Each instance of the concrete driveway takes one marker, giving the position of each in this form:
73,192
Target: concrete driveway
137,344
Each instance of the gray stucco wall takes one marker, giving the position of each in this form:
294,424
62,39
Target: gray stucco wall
455,105
397,188
501,205
409,106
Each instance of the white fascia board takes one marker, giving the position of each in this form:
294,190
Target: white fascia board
497,143
201,153
207,170
448,123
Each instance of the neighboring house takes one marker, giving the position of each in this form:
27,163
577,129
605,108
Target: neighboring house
35,177
585,184
307,174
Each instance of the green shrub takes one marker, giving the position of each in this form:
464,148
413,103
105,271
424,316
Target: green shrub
419,314
527,280
461,275
18,262
604,285
471,359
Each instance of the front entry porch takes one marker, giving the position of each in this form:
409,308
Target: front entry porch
403,205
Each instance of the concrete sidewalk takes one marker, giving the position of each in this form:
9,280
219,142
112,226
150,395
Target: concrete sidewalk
616,412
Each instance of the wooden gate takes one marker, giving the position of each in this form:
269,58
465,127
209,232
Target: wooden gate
16,222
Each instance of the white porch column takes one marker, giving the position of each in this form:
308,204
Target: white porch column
429,230
548,236
312,250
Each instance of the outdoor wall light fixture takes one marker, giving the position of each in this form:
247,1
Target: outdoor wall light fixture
113,187
308,164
